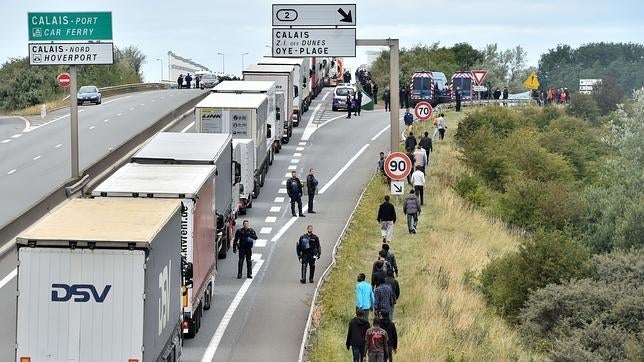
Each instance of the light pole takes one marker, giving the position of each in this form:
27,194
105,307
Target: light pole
223,62
161,61
243,60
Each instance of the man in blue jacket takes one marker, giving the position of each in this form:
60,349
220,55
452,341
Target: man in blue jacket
364,295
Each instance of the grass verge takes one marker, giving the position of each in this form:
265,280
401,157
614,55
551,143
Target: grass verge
35,109
440,315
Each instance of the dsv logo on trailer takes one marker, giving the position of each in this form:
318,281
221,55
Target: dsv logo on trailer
81,293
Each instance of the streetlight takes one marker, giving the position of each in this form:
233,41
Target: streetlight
243,60
223,62
160,60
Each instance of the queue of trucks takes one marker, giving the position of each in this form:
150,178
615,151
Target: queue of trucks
126,273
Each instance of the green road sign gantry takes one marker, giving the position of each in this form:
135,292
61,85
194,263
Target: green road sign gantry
70,26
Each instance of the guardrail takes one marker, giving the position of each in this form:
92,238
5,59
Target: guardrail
482,102
128,88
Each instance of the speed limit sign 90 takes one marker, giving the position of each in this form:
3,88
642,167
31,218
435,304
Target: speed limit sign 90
397,166
423,111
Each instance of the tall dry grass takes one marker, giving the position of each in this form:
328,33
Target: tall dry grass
440,315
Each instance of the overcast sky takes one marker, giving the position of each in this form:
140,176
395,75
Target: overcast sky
198,30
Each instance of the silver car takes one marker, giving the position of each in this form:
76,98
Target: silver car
208,81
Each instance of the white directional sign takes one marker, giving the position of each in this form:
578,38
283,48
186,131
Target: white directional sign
70,53
314,42
479,88
397,187
314,14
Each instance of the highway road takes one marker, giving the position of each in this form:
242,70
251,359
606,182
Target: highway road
263,319
36,161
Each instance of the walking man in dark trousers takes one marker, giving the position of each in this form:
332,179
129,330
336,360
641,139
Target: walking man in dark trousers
308,250
358,103
294,191
243,241
349,104
311,188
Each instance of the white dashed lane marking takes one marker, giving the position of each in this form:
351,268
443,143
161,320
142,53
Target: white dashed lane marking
275,208
265,230
279,199
12,171
283,182
295,160
6,141
35,158
287,175
260,243
297,154
58,145
302,143
16,135
92,127
106,120
299,148
281,191
270,219
292,167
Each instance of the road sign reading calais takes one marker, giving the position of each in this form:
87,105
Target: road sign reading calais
70,53
397,166
70,26
423,111
314,14
312,42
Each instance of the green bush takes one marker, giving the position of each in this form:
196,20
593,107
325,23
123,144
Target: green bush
629,232
500,121
470,187
546,258
583,106
596,318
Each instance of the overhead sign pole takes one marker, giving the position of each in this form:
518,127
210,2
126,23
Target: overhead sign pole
73,89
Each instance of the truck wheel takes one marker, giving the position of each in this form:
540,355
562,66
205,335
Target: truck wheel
207,300
198,319
286,139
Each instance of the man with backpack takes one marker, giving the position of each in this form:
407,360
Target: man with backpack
390,257
308,249
244,239
294,190
376,342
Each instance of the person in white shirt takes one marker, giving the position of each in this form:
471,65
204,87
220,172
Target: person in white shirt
441,126
420,158
418,180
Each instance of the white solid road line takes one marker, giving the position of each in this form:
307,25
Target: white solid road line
27,124
17,135
8,278
326,95
188,127
284,228
381,132
5,141
344,168
209,354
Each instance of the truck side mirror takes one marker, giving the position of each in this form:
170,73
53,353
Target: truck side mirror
295,92
268,131
237,172
277,113
187,275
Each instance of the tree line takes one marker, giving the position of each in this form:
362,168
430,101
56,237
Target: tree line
24,85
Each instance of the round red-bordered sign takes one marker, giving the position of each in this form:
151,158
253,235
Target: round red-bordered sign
64,80
397,166
423,111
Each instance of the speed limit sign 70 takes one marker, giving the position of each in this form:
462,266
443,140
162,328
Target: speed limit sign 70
397,166
423,111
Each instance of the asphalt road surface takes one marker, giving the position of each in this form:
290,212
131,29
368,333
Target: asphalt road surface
263,319
36,161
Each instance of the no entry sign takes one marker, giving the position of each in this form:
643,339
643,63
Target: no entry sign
397,166
423,111
64,80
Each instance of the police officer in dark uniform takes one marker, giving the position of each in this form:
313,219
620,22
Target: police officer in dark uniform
243,241
308,249
294,191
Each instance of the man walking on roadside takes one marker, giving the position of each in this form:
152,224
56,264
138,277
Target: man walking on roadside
358,103
418,180
311,188
376,342
388,325
395,287
411,208
358,327
349,105
386,97
387,218
364,295
426,144
384,297
374,89
244,239
420,158
294,191
308,250
390,257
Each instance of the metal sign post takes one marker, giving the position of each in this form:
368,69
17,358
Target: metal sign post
73,112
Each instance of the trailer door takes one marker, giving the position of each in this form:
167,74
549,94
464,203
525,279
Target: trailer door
80,305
